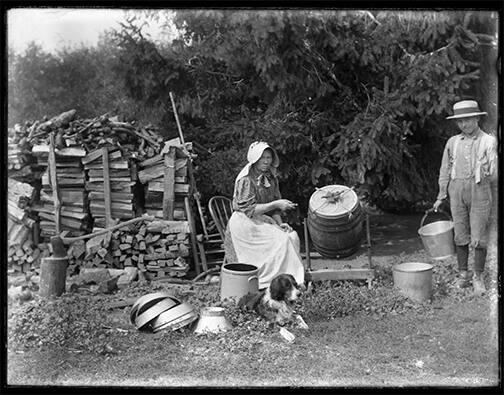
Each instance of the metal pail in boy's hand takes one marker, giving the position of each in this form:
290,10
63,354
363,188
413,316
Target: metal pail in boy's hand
335,221
437,237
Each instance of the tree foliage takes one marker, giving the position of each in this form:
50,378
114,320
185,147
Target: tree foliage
348,97
86,79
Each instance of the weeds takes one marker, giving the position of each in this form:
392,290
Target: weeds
82,322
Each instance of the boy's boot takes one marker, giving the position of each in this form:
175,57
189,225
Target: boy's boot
463,280
479,267
462,258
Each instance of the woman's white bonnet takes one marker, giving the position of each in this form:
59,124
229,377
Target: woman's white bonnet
256,150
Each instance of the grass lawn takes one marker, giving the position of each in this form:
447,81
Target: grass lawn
451,343
357,337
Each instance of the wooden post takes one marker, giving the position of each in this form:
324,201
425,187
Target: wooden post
192,235
54,183
181,136
68,240
307,246
189,167
169,184
368,235
106,187
194,191
36,233
201,246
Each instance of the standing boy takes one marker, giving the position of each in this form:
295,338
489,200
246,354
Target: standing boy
468,168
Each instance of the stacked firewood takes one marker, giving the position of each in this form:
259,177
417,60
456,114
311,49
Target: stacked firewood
20,196
26,257
23,252
158,249
121,173
20,162
70,183
138,142
126,144
152,176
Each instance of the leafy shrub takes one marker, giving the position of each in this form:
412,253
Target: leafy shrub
349,97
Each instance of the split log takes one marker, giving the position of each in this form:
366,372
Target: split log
167,227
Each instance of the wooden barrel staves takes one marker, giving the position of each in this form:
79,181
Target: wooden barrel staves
335,221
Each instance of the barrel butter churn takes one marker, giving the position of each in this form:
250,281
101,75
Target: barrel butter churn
335,221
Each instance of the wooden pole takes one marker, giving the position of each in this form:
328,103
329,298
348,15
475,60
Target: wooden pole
54,183
195,193
189,168
169,184
192,234
181,136
68,240
201,246
106,187
368,235
307,246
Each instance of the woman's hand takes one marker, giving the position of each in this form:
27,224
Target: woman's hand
286,227
285,204
268,219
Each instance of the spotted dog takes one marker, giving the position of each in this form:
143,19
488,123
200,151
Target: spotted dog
275,303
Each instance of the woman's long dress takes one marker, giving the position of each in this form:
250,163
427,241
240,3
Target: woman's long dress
257,239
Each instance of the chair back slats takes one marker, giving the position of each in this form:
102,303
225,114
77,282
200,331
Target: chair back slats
220,208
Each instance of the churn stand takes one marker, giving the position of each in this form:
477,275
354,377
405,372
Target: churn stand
333,195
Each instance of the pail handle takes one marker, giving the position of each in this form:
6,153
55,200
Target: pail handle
253,278
427,212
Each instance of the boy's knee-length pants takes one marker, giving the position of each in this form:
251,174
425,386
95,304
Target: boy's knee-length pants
470,205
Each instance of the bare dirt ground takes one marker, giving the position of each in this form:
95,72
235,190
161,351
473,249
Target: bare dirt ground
358,336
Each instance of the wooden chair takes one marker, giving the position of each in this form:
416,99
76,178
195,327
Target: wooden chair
212,245
220,208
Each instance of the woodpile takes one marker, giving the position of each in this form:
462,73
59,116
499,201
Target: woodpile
111,180
89,174
135,141
39,130
90,134
165,180
83,178
20,195
20,162
157,249
23,252
70,181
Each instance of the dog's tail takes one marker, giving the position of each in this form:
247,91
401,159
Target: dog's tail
250,301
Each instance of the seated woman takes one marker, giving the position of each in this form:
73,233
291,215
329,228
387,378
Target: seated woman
258,234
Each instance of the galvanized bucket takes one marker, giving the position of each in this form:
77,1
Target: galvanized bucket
237,280
414,280
437,237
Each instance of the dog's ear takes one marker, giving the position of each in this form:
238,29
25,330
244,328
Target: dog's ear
277,291
280,285
292,280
